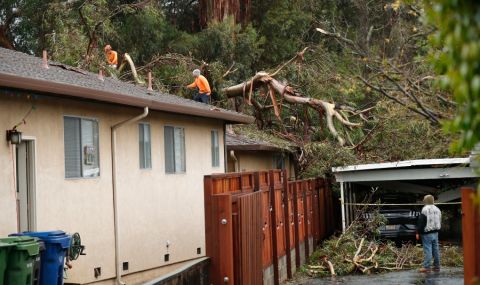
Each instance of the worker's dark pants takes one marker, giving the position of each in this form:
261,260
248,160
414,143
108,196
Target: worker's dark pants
202,97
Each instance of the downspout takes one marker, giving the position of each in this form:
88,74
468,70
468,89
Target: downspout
114,186
235,163
342,201
225,161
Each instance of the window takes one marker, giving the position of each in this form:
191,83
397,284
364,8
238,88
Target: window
215,149
81,147
145,145
174,149
278,161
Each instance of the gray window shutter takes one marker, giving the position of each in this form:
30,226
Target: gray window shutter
73,159
169,150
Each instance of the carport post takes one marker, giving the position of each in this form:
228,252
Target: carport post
342,198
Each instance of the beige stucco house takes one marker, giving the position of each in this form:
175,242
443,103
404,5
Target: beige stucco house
134,191
246,153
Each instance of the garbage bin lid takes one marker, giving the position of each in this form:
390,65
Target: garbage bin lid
45,234
26,243
52,237
4,244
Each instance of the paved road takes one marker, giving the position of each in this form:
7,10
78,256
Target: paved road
448,276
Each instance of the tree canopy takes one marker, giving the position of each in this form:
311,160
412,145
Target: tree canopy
369,61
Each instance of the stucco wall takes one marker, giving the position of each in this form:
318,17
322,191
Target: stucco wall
154,207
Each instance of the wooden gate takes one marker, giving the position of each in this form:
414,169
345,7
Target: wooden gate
254,220
249,248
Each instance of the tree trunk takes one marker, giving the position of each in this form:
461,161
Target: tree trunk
218,10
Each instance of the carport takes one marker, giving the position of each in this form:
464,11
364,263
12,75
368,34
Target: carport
411,179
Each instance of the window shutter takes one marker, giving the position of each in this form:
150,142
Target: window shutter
169,150
72,147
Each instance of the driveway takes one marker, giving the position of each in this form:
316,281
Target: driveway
448,276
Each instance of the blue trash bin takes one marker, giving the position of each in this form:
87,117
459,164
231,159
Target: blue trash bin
53,257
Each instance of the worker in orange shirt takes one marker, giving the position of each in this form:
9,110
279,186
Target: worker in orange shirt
112,57
201,83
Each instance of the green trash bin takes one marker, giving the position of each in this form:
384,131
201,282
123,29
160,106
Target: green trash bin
4,250
20,260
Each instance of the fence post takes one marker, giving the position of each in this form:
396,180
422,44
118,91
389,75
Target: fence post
316,213
471,236
297,234
322,210
306,211
273,212
287,224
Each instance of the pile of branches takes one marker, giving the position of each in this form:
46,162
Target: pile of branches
360,251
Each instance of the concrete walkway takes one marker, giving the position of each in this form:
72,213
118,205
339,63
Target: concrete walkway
448,276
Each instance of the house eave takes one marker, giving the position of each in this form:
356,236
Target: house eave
69,90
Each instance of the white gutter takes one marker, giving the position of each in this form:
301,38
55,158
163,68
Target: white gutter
114,185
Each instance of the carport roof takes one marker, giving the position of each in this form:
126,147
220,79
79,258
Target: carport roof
445,168
403,163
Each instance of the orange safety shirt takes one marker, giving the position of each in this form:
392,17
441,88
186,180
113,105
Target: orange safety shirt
112,57
202,83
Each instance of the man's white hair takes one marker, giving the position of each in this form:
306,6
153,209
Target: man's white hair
196,72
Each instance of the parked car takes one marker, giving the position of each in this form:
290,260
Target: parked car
401,224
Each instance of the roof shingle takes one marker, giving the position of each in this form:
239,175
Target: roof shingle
19,70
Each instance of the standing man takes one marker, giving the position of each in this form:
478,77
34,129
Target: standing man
111,56
428,225
203,87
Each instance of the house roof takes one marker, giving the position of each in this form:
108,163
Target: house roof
239,142
22,71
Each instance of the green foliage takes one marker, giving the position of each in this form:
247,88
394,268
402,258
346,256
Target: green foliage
283,27
227,43
401,135
143,34
457,58
164,37
66,42
26,30
322,156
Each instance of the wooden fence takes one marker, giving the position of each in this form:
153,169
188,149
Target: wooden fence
260,227
471,237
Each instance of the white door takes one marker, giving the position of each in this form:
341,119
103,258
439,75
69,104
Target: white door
25,185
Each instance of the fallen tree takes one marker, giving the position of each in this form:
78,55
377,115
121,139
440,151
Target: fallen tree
273,88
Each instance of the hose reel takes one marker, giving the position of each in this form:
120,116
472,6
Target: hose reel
76,248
